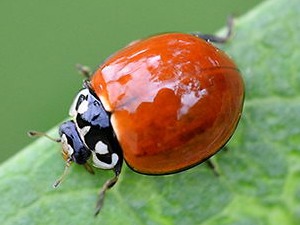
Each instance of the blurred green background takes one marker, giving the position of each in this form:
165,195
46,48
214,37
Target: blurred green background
41,41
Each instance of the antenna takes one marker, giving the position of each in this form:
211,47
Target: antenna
33,133
63,176
58,140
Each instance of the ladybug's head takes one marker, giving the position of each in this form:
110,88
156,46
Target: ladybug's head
88,134
73,149
94,129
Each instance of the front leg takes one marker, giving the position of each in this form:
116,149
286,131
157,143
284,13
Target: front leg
107,185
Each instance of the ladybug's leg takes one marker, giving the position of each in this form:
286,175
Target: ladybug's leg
212,166
84,70
217,39
88,168
107,185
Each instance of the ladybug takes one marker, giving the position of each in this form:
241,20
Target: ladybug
163,104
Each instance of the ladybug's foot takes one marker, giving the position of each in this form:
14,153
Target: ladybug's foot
212,166
225,148
107,185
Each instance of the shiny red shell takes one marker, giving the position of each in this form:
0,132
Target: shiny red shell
175,101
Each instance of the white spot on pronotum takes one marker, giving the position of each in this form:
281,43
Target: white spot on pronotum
73,111
103,165
83,131
83,107
101,148
114,159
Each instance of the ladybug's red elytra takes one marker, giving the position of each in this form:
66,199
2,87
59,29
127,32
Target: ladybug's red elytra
174,101
163,104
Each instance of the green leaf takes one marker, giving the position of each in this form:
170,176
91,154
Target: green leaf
260,174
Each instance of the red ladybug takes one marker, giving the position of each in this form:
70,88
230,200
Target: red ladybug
164,104
174,100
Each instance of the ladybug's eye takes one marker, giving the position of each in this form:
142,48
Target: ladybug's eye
96,103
